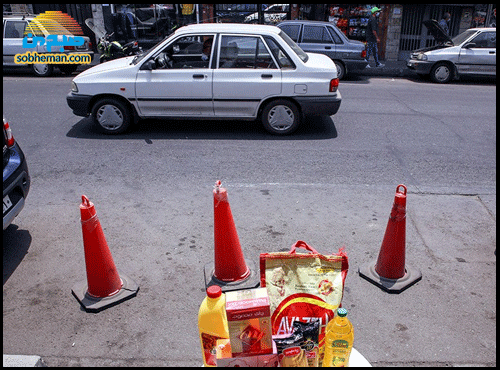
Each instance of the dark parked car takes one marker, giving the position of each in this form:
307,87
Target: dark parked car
16,179
325,38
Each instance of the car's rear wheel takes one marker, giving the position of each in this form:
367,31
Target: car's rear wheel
42,70
281,117
341,70
112,116
441,73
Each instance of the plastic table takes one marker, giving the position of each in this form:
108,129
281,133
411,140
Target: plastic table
357,359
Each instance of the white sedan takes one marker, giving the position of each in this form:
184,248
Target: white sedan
212,70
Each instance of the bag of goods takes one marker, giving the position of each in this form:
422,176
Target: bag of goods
303,287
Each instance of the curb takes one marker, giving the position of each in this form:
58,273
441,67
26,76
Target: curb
390,69
22,361
386,72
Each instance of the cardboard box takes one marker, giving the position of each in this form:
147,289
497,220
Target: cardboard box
249,322
225,359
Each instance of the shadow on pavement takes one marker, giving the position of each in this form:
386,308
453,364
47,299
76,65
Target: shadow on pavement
313,128
16,243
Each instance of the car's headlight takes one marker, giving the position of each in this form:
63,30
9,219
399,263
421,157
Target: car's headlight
422,56
74,88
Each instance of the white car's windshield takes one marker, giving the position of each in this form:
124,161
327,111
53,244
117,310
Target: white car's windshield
457,40
140,56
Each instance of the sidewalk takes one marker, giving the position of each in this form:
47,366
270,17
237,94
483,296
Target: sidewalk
22,361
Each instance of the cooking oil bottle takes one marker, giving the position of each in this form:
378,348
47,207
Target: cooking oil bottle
338,340
212,323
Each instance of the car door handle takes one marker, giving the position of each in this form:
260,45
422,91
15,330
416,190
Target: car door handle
492,52
328,47
199,77
266,76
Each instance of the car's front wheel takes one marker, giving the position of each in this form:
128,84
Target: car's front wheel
111,116
441,73
281,117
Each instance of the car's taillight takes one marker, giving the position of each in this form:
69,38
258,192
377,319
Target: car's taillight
69,47
9,138
334,84
363,54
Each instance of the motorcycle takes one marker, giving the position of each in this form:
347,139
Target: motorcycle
113,49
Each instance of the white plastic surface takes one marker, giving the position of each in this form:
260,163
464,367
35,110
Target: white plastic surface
357,359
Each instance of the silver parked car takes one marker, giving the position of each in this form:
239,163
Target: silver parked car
17,28
325,38
473,52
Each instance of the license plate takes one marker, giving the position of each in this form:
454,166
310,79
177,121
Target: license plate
6,203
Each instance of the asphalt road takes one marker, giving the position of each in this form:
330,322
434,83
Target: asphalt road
331,184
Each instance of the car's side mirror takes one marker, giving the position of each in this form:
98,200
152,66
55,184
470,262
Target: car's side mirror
149,65
469,45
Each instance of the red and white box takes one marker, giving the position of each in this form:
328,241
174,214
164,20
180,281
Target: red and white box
225,359
249,322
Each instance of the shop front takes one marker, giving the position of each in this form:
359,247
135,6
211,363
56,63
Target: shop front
400,25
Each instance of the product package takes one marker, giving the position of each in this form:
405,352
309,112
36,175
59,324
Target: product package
291,352
249,322
310,333
225,359
303,287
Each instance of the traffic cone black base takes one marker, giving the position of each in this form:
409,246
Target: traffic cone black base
251,281
90,303
389,272
395,286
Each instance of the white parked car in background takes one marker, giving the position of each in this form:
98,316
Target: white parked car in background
213,70
16,28
473,52
273,14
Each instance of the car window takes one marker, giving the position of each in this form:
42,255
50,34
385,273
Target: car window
247,52
485,40
296,48
14,29
187,52
336,38
316,34
291,30
278,53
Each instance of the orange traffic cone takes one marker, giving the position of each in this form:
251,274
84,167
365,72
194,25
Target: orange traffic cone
390,272
104,286
229,270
